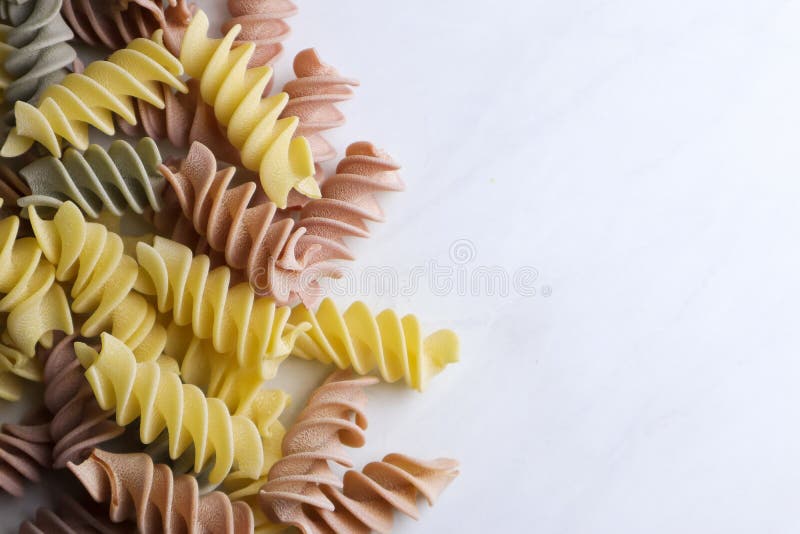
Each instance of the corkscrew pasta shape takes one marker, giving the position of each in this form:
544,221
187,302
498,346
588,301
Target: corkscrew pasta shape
362,341
92,259
153,392
118,179
263,24
24,453
35,51
36,304
252,233
267,143
93,97
139,490
233,318
72,517
348,202
78,424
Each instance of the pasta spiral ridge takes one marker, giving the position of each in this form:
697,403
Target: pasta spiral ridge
78,424
118,179
24,452
114,24
235,319
36,304
263,24
12,188
184,119
266,142
313,96
71,517
348,201
35,51
362,341
367,499
252,233
137,489
93,97
153,392
92,259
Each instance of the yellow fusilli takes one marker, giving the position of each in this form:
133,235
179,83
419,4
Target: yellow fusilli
93,97
102,276
233,318
267,143
363,341
153,392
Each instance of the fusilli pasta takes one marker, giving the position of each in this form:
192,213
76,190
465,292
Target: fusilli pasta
139,490
266,142
34,51
154,392
120,178
24,452
362,341
234,319
263,25
92,97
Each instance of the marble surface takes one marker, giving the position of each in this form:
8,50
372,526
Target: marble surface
630,170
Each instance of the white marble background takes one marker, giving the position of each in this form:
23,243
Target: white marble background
642,157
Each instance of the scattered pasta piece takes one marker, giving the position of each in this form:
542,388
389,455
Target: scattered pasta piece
362,341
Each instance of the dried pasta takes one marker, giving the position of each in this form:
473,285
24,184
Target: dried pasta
252,233
118,179
263,24
265,141
313,96
24,452
153,392
367,499
234,319
72,517
35,303
93,97
348,201
139,490
34,51
78,424
114,24
362,341
92,259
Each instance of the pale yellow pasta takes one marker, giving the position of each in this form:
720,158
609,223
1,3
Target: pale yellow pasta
267,143
92,259
358,339
253,328
220,376
35,303
153,392
92,98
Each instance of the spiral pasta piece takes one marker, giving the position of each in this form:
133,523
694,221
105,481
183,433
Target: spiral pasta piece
24,452
348,201
78,424
35,51
234,319
367,500
154,393
263,24
93,260
137,489
183,120
103,89
362,341
267,143
114,24
118,179
253,234
72,517
35,303
313,96
12,188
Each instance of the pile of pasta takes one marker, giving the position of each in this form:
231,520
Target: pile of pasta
148,301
